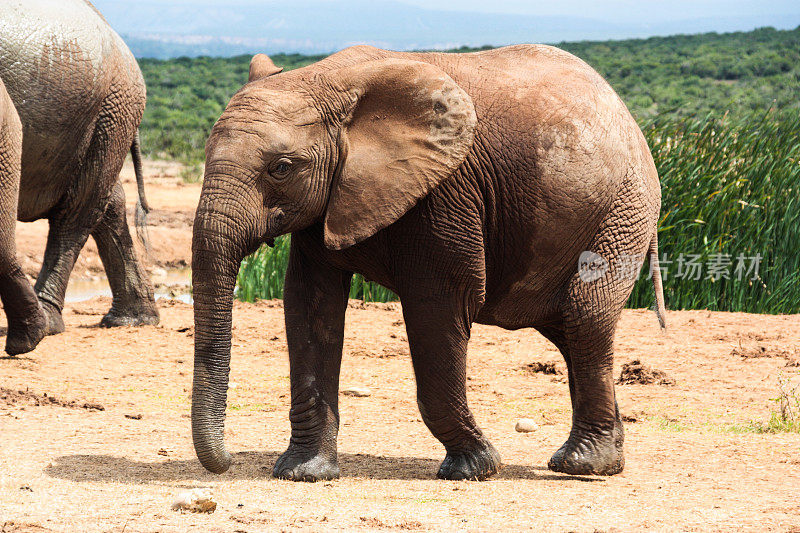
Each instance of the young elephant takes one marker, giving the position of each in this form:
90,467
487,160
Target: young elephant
26,320
469,184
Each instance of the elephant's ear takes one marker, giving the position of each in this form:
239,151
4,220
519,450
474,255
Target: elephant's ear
407,127
262,66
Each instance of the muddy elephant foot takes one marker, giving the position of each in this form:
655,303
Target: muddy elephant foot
114,318
591,453
24,336
478,463
299,466
54,321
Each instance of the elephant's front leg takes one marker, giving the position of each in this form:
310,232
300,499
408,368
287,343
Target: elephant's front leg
438,331
27,323
315,300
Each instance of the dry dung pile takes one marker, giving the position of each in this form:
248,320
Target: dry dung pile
636,373
542,368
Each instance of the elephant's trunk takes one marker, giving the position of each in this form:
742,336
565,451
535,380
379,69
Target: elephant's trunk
216,254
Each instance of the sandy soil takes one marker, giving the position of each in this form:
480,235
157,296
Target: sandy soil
94,425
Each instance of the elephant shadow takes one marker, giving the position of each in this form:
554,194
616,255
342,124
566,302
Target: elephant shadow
255,465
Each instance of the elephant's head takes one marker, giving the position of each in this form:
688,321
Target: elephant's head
353,148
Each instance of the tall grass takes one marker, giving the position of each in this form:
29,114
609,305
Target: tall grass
729,189
261,276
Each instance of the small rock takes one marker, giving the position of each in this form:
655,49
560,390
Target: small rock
26,488
526,425
195,501
360,392
134,417
163,451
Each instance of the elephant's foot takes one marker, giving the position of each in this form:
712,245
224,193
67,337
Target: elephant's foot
591,453
142,317
297,465
54,321
479,462
24,336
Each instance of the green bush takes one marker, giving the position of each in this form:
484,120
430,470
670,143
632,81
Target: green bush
261,274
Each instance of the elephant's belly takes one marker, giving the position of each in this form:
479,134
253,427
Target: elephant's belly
525,279
524,304
44,183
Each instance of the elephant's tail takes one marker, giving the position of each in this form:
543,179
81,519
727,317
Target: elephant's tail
658,288
142,207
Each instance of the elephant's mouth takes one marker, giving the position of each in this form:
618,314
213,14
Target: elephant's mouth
270,243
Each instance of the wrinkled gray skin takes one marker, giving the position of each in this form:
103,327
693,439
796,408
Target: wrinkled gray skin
26,320
80,96
471,185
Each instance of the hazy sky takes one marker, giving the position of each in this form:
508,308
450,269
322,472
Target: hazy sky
317,26
622,10
640,10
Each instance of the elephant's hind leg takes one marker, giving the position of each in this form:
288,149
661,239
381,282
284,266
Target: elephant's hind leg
65,238
133,303
595,443
592,303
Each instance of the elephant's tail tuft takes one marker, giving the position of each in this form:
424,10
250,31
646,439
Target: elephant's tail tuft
658,288
142,207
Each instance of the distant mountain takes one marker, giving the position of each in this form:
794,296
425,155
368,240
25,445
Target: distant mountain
156,29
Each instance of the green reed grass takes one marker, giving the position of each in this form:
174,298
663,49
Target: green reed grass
728,187
261,276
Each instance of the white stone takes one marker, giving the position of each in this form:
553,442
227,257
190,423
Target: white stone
526,425
195,501
357,391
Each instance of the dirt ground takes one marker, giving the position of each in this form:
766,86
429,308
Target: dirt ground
95,436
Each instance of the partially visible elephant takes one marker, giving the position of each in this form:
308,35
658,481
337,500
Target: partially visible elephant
478,187
26,321
80,96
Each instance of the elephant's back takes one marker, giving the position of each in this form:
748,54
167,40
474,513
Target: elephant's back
56,45
61,63
557,147
540,102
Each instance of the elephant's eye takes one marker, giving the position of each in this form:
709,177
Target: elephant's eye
281,167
